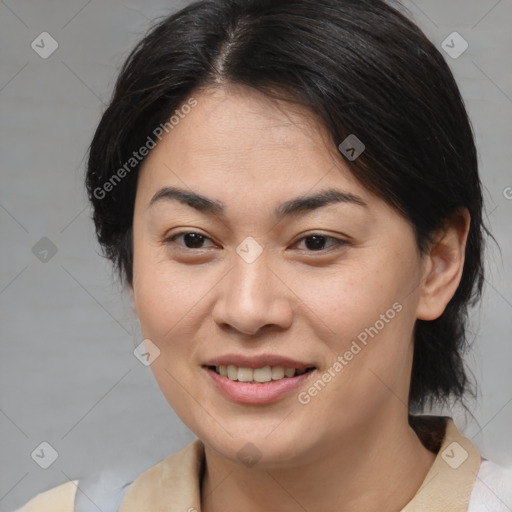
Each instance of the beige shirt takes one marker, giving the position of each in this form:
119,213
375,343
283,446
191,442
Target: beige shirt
173,484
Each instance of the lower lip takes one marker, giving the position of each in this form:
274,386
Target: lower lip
257,393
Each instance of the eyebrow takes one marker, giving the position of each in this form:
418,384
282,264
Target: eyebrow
304,203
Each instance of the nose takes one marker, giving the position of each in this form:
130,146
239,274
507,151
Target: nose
253,296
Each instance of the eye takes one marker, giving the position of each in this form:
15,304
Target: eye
316,242
191,239
313,243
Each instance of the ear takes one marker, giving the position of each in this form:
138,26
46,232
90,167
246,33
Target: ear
443,266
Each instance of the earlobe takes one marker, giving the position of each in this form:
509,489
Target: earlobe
443,266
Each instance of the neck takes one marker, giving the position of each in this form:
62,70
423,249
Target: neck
379,468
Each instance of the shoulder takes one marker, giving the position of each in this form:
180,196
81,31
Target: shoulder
492,491
107,489
102,491
174,480
57,499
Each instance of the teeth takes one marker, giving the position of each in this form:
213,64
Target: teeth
245,374
277,372
232,372
289,372
264,374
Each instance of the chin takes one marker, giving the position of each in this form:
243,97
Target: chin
262,445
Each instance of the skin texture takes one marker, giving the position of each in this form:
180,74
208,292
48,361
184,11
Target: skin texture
350,448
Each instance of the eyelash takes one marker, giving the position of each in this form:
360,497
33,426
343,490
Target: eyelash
338,242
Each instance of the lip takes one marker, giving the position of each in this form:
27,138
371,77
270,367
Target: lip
257,393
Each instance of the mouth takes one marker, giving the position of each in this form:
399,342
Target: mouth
261,375
259,385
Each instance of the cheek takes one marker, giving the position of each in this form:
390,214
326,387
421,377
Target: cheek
368,317
348,299
162,291
165,300
172,301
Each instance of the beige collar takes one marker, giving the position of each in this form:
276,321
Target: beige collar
173,485
449,482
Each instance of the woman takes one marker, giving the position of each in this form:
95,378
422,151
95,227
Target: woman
290,192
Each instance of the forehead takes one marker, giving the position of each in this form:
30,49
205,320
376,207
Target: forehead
222,112
237,136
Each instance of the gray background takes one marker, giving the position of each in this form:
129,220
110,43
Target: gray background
68,374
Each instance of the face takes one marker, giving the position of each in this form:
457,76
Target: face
308,305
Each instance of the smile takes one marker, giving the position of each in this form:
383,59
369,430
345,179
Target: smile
257,386
257,375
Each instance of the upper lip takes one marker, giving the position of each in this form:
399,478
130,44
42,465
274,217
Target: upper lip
257,361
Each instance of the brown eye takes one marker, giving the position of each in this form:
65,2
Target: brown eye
317,242
191,239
